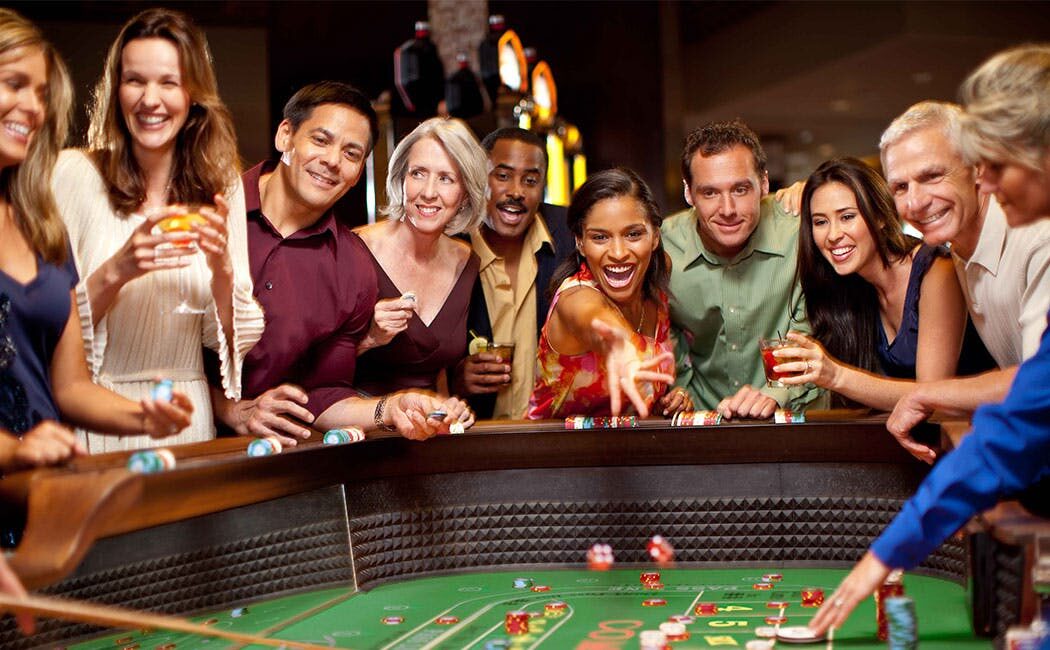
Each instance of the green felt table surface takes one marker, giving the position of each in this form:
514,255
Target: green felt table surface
604,612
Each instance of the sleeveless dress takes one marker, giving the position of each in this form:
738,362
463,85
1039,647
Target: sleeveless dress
898,358
414,357
575,384
32,318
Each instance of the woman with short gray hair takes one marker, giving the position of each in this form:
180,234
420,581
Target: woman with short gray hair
436,187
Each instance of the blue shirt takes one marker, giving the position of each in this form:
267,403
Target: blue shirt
1007,451
32,319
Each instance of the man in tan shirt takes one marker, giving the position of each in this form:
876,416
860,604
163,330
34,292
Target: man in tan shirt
520,244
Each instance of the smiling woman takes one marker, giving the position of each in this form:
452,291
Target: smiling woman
436,185
607,334
161,145
883,306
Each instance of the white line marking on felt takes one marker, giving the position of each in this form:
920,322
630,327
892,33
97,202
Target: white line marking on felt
688,610
563,621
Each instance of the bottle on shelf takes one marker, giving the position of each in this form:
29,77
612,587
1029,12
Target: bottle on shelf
488,56
463,98
419,75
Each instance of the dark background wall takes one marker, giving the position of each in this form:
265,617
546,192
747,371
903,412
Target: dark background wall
815,79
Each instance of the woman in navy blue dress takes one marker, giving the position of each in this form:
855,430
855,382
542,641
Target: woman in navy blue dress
868,288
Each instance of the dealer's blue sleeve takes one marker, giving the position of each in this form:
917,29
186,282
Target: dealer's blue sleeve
1007,450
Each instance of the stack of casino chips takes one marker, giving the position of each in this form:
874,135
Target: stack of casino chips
601,422
893,587
267,446
903,624
696,419
151,461
674,631
343,436
652,640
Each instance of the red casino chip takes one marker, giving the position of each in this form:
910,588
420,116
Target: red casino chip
447,620
649,577
654,602
541,588
392,620
762,586
777,604
706,609
776,620
772,577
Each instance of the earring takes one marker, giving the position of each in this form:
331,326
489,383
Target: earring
286,157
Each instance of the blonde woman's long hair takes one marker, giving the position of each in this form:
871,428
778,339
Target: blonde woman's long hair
27,186
206,162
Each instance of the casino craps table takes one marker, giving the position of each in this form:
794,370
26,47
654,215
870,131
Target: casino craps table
567,608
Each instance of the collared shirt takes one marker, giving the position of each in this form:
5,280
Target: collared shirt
1007,451
1007,286
317,288
721,307
512,311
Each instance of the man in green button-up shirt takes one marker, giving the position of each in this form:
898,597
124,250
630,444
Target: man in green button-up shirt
733,259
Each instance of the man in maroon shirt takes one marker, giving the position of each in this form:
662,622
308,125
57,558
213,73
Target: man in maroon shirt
315,282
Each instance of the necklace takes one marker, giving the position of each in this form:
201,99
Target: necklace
641,320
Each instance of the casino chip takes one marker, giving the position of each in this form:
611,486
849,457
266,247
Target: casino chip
456,428
762,586
776,620
392,620
600,557
759,644
540,588
654,602
766,632
798,634
772,577
522,583
239,612
162,390
777,604
446,620
706,609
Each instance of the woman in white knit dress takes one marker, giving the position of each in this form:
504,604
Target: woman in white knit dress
159,136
